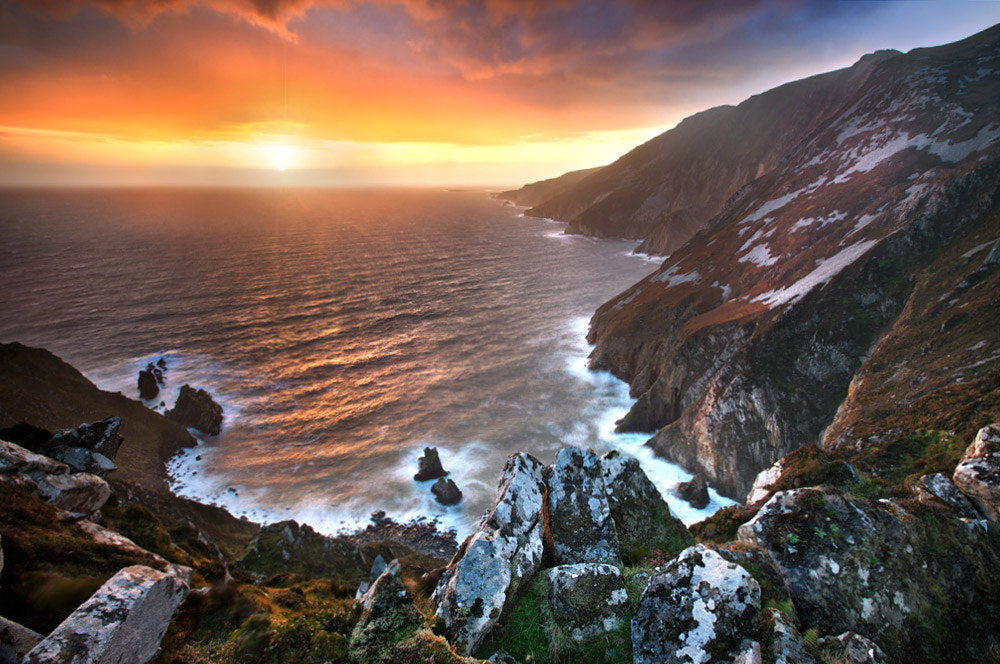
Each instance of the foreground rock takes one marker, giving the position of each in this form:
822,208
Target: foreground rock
697,610
387,616
16,640
289,547
196,409
580,521
694,492
939,487
588,599
924,584
978,473
123,622
446,492
100,437
490,568
429,466
80,493
787,644
851,648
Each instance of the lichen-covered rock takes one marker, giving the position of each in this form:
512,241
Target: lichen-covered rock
787,644
424,647
378,566
642,518
748,653
938,486
484,577
446,492
978,473
289,547
123,622
196,409
16,640
387,617
16,459
101,437
587,599
80,493
924,582
580,521
699,609
429,466
851,648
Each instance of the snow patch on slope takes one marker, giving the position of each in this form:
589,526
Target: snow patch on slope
826,269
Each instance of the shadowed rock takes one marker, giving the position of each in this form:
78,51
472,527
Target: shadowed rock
694,491
446,492
429,466
289,547
851,648
580,521
196,409
978,473
587,599
387,617
149,386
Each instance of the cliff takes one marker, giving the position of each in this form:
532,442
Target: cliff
539,192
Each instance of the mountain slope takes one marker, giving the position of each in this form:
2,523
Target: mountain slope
663,191
824,277
541,191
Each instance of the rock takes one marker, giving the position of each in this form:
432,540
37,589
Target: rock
940,487
18,638
978,473
425,646
149,386
761,488
484,577
851,648
749,653
587,599
15,459
196,409
101,437
699,609
26,435
429,466
446,492
502,657
874,567
580,521
378,566
80,493
82,460
289,547
124,621
694,491
387,617
787,646
642,518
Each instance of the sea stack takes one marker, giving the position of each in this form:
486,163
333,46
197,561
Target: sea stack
196,409
429,466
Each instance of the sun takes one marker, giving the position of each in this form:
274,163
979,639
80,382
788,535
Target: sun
282,157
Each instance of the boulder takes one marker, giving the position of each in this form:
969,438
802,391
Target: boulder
446,492
15,459
16,640
787,644
748,653
149,386
587,599
761,488
851,648
978,473
699,609
82,460
378,566
289,547
484,577
940,487
387,617
197,410
101,437
580,521
80,493
694,492
925,582
123,622
642,518
429,466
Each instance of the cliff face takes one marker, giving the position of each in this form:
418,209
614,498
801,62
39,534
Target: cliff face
665,190
863,264
541,191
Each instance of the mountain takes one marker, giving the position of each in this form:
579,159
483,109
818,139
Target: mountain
852,285
663,191
541,191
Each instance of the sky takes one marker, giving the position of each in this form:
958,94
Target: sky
401,92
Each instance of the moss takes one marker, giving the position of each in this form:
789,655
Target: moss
721,527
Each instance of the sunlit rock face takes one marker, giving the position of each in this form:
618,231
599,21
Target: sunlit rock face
848,280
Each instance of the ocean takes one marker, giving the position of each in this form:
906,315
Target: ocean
342,331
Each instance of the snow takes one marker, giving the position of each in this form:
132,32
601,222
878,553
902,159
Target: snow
864,220
831,218
975,250
826,269
759,255
671,278
760,233
955,152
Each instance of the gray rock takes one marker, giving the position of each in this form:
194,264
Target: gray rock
699,609
502,657
852,648
16,459
504,553
978,473
761,488
378,566
80,493
939,486
18,638
749,653
101,437
587,599
694,492
429,466
387,617
580,521
123,622
787,646
446,492
642,518
83,460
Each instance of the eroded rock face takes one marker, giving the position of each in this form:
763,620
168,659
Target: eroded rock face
875,568
852,648
123,622
699,609
196,409
642,518
290,547
387,616
978,473
580,521
501,556
80,493
587,599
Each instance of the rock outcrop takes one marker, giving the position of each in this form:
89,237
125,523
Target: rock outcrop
429,466
151,379
287,546
196,409
978,473
851,648
124,621
446,492
387,615
580,521
939,487
45,477
787,644
490,568
699,609
587,599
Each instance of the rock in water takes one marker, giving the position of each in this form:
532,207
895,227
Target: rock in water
697,610
486,574
694,491
580,521
446,491
123,622
149,387
978,473
588,599
429,466
197,409
387,617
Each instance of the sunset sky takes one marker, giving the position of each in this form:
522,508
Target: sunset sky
347,93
